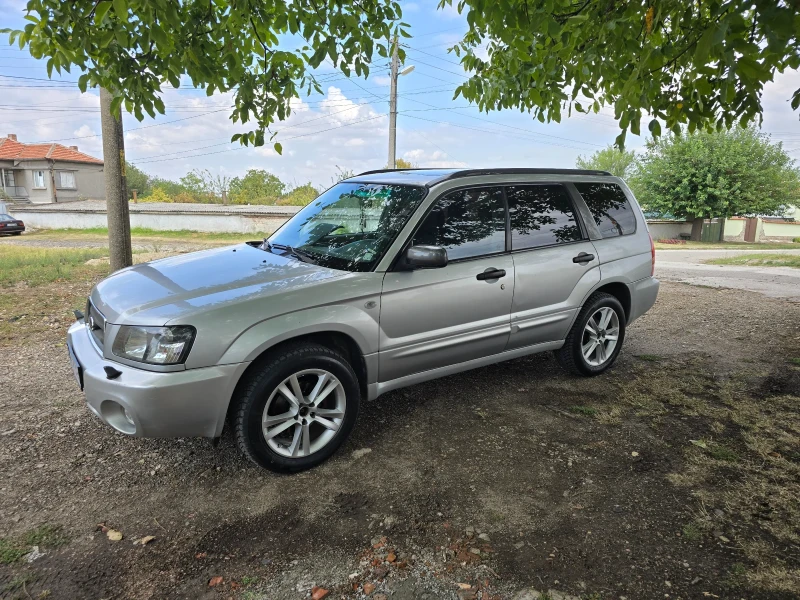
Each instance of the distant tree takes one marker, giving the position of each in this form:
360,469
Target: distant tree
720,174
204,186
300,195
256,187
611,159
137,180
402,163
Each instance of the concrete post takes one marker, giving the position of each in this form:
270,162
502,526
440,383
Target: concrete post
393,108
119,223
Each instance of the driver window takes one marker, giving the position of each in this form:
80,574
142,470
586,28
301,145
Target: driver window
468,223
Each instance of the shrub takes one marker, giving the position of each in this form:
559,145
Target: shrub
157,195
184,197
796,240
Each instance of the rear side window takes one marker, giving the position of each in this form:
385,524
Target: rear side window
610,208
541,215
467,223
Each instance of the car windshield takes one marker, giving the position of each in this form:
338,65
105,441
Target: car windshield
348,227
7,218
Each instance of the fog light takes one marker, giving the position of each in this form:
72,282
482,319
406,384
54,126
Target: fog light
128,416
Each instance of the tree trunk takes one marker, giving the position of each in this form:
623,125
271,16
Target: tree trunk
697,228
117,211
722,229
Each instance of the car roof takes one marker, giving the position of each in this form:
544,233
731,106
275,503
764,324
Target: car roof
431,177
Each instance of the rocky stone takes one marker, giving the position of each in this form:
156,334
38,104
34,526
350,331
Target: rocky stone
318,593
368,588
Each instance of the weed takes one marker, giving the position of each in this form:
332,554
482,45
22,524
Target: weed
248,580
47,536
795,361
648,357
692,532
583,410
37,266
10,551
721,452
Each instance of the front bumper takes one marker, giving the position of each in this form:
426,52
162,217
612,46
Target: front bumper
143,403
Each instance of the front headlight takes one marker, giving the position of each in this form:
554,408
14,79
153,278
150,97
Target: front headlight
154,345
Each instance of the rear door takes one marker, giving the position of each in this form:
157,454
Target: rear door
555,264
432,318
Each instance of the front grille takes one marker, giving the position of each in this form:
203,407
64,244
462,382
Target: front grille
95,323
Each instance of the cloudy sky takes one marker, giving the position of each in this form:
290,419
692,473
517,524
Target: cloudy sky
347,127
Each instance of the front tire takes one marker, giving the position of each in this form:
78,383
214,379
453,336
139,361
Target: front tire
596,337
295,410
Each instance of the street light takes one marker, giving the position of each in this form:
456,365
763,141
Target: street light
393,105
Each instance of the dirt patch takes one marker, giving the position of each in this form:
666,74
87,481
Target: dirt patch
674,474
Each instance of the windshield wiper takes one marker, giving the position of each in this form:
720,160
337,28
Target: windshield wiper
298,254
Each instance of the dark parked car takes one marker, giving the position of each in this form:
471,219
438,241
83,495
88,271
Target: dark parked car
9,224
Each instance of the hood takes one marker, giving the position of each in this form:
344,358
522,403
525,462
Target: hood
177,287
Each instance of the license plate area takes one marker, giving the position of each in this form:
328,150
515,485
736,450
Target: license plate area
77,369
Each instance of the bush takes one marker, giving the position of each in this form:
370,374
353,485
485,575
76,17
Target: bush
300,196
157,195
796,240
184,197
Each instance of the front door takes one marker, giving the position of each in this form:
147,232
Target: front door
432,318
555,264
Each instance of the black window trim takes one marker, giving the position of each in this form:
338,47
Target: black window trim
585,237
627,199
574,197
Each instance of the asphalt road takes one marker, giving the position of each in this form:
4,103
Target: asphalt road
688,266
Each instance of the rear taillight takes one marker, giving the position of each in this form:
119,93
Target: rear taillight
20,223
2,224
652,257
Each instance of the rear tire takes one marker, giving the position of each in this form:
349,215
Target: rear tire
596,337
294,411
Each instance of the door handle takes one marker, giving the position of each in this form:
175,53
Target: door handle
491,273
583,257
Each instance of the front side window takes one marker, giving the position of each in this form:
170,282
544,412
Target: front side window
38,179
610,208
349,227
541,215
66,179
467,223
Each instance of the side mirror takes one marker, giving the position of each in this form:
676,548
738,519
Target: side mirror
427,257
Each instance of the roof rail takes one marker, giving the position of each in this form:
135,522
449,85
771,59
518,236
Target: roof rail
502,171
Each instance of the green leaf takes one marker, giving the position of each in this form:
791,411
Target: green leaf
655,128
278,148
100,11
121,9
704,44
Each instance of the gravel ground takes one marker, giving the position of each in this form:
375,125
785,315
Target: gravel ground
490,484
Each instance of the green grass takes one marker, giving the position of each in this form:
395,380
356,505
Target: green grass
44,536
795,361
37,266
728,246
583,410
648,357
692,532
760,260
723,453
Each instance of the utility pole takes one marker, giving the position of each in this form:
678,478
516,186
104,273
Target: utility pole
393,108
117,210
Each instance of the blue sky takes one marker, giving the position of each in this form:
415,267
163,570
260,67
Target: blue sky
347,127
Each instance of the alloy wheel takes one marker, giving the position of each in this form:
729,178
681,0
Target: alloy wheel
600,336
303,414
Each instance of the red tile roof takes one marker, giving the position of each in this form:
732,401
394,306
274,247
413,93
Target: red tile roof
11,149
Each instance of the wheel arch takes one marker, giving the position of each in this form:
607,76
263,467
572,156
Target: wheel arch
620,291
335,340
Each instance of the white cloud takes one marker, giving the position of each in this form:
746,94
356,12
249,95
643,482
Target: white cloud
438,158
409,7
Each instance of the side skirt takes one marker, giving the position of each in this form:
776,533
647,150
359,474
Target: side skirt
376,389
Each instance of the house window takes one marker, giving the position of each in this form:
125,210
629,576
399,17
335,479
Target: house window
9,182
38,180
66,179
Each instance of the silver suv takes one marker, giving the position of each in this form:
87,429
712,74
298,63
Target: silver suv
388,279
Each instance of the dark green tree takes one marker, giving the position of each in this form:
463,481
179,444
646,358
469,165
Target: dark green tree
137,180
134,48
719,174
700,64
